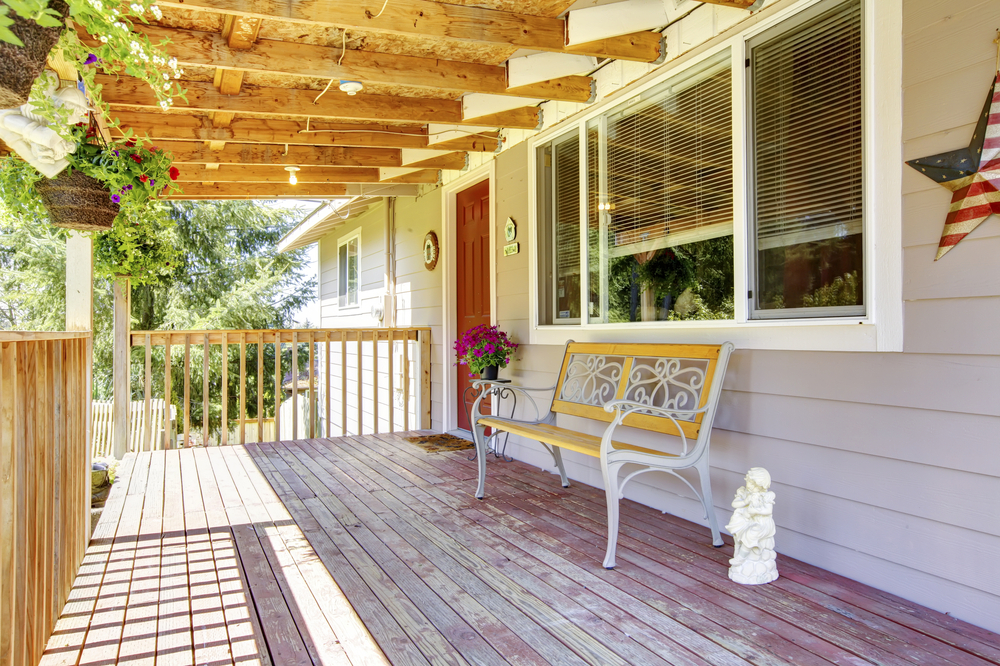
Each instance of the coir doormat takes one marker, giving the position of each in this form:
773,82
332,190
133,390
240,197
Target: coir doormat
442,442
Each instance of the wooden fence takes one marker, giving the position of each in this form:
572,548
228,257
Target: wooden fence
344,371
102,415
44,483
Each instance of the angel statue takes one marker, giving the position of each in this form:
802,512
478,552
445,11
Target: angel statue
752,527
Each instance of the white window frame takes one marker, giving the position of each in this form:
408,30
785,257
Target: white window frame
881,328
341,242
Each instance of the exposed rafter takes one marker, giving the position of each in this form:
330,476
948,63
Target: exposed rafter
199,191
177,127
273,174
271,154
194,48
437,20
126,91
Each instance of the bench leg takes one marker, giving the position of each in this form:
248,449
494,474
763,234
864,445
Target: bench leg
708,502
479,436
557,456
613,492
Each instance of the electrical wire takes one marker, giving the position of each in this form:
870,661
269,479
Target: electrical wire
343,50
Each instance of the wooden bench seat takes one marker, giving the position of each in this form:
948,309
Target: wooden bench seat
671,390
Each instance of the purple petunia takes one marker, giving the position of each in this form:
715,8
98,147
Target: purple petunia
91,59
115,198
152,181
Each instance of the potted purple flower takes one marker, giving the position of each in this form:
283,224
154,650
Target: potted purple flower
485,349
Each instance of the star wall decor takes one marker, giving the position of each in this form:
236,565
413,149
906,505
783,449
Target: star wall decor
972,174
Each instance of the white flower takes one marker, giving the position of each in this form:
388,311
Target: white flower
137,9
164,105
166,86
172,63
156,12
104,39
166,76
96,4
120,25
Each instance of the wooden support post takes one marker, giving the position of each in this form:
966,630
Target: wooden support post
375,397
80,317
360,389
327,376
205,406
121,349
406,382
187,392
295,385
343,382
425,379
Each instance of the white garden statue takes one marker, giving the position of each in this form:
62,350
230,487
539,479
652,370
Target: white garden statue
29,136
752,527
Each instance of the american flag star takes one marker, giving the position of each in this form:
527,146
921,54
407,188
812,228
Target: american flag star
972,174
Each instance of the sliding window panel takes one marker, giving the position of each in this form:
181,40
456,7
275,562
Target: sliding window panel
807,197
559,231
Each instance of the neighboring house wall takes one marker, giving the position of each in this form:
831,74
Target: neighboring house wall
418,303
885,465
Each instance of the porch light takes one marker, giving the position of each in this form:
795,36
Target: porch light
291,174
351,87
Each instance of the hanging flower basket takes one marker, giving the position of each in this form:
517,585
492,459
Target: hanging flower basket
21,65
74,200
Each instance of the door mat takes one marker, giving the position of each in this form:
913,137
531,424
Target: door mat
442,442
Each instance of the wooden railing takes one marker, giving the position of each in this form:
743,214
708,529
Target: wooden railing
102,428
353,381
44,483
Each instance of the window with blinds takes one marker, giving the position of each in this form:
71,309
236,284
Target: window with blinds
660,200
559,226
348,272
807,196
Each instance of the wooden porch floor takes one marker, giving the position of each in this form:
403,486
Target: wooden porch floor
368,550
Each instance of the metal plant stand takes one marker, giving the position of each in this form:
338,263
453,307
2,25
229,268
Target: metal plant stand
493,388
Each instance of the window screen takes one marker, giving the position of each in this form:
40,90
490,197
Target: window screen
559,230
348,273
807,193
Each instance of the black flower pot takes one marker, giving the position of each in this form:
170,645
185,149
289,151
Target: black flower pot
21,65
489,372
77,201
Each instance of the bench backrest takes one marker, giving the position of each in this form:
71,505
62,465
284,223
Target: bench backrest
682,377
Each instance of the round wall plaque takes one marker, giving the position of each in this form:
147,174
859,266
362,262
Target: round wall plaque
430,250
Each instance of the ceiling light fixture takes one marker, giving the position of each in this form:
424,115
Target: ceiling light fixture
351,87
291,174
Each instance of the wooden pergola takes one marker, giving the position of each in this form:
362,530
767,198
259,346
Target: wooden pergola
262,81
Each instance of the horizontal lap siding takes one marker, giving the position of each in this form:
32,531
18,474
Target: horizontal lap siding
885,465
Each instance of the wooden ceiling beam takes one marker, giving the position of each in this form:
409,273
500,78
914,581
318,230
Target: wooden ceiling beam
275,174
192,152
202,191
735,4
132,92
195,48
439,20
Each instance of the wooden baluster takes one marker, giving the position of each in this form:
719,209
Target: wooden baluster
243,388
148,395
295,384
375,398
260,386
224,436
277,385
187,391
343,382
312,386
406,381
360,388
327,412
206,350
424,335
168,395
392,401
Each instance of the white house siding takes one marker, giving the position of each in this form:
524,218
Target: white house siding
886,465
418,303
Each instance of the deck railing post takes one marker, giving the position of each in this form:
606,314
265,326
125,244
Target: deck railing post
121,354
424,337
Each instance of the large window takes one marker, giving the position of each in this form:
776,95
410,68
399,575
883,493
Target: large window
637,212
348,271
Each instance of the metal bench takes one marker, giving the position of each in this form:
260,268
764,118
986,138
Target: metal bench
667,389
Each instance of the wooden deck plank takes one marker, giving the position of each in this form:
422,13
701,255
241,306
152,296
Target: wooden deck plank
174,643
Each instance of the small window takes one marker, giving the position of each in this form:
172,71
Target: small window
349,272
559,225
807,199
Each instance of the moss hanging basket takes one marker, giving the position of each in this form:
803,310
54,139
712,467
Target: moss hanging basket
21,65
76,201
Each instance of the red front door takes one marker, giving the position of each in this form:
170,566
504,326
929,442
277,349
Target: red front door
473,275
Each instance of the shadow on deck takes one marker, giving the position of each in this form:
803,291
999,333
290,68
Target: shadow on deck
368,550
